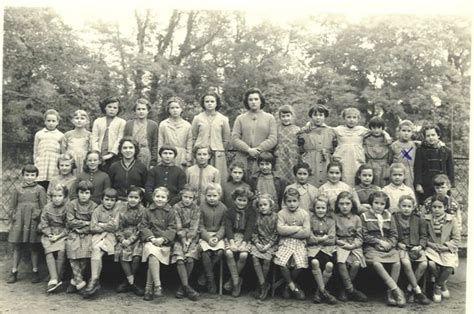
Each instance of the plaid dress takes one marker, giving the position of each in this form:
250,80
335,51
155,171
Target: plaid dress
53,221
265,232
187,227
46,150
286,151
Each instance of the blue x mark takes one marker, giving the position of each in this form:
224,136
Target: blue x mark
406,154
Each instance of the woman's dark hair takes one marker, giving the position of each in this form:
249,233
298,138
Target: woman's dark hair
254,91
134,143
380,194
345,194
302,165
216,96
110,100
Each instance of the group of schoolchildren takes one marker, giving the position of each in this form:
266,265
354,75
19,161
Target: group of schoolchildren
332,199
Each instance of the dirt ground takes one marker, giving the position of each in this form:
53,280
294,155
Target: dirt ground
25,297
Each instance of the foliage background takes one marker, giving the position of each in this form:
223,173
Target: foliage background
399,66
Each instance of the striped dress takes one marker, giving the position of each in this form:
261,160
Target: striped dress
46,150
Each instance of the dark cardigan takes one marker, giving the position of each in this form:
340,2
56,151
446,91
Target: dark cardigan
250,218
280,185
152,137
418,230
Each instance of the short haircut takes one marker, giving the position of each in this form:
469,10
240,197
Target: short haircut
254,91
81,113
85,185
380,194
139,190
52,112
264,196
291,192
85,166
168,147
110,100
359,172
397,165
320,198
266,156
348,195
302,165
440,198
429,126
405,123
30,168
334,163
111,193
350,110
131,140
198,147
406,197
59,188
440,179
237,164
242,192
213,187
162,189
141,101
188,188
67,157
216,97
318,108
376,122
286,109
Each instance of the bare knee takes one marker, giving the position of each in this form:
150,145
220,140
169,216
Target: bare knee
329,267
315,263
423,265
243,256
229,254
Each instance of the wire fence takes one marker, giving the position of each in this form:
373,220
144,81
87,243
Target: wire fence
16,155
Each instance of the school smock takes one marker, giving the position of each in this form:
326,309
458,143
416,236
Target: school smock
394,193
271,184
122,176
100,180
78,219
46,150
170,176
449,237
377,227
429,161
321,227
128,222
200,176
53,221
228,187
405,153
239,224
103,237
26,204
265,232
177,134
317,146
378,156
149,143
349,229
213,130
158,222
68,181
412,231
331,191
286,152
187,227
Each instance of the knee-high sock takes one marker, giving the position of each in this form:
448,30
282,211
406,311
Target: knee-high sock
189,266
208,266
182,273
327,273
60,261
444,274
345,276
232,267
76,270
51,263
258,270
241,262
318,276
154,266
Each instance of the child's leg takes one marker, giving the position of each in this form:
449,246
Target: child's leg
76,267
433,269
207,264
258,270
96,263
382,272
295,273
420,270
318,276
154,267
265,268
407,268
182,272
327,273
16,257
395,271
241,262
345,276
34,256
149,280
51,263
354,270
444,274
217,257
189,266
232,267
60,262
286,273
127,270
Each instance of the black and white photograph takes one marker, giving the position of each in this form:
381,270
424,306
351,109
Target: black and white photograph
251,157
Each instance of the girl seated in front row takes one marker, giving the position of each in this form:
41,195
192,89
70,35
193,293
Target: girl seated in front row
321,249
412,236
240,221
264,240
348,246
186,248
380,245
104,223
158,230
294,228
53,227
212,228
442,245
129,248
